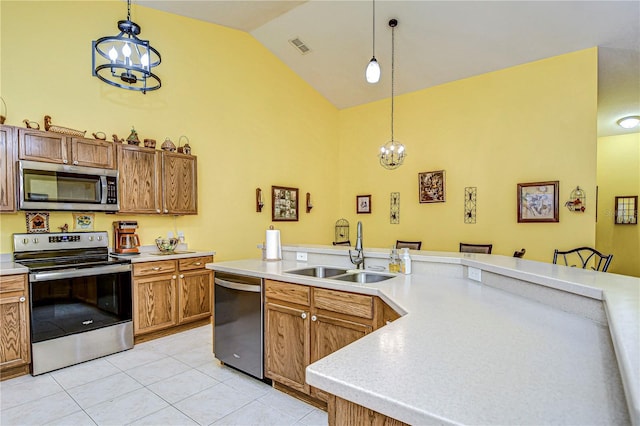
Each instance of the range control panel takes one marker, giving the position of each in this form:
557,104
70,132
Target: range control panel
59,241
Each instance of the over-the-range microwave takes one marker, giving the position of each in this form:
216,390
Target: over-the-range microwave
48,186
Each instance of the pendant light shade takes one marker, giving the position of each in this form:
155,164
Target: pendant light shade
124,60
372,72
392,153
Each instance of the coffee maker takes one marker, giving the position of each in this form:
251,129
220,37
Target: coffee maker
125,240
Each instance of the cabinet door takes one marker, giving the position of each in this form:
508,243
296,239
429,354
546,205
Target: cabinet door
195,295
92,153
286,343
179,183
8,149
42,146
329,334
138,183
14,322
154,303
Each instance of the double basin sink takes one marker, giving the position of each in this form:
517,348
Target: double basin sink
340,274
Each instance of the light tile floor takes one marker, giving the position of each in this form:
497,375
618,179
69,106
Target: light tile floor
174,380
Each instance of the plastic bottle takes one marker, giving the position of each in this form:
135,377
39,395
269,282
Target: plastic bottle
394,261
405,259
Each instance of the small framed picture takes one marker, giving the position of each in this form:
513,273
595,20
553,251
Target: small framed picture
363,204
538,202
284,204
431,187
37,222
83,221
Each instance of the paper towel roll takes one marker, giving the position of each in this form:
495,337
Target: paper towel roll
272,243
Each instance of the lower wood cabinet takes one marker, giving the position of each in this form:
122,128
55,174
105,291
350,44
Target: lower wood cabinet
344,413
304,324
15,350
169,293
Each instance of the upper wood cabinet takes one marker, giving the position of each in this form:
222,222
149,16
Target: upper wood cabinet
57,148
153,181
8,152
138,183
179,183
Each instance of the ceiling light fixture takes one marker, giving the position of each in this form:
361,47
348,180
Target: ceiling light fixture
124,60
373,68
392,153
629,122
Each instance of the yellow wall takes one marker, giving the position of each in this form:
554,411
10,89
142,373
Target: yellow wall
618,175
530,123
253,122
250,120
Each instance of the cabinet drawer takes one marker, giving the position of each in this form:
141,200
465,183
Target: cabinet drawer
154,268
292,293
357,305
194,262
9,283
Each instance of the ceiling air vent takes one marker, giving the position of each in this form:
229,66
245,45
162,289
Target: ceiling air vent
299,45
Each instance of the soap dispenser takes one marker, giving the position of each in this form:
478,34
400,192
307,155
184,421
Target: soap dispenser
405,260
394,261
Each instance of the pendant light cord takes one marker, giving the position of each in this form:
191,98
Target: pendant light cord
373,25
393,44
128,10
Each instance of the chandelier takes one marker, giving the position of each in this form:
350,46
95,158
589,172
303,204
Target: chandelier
124,60
392,153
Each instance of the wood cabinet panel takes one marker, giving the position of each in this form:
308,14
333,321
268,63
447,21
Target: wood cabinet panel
37,145
191,263
347,413
154,268
195,295
358,305
92,153
330,334
8,152
179,183
139,182
15,350
154,304
292,293
286,342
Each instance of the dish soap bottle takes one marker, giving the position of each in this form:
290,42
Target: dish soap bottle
394,261
405,260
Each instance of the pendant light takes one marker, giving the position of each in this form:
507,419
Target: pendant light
392,153
124,60
372,72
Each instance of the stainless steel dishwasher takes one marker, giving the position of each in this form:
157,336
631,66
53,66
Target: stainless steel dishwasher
238,322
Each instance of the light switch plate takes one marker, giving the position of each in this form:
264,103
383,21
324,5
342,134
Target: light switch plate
474,274
301,256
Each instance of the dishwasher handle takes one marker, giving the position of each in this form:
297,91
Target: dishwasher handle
238,286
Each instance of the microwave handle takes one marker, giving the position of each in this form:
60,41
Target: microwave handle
103,189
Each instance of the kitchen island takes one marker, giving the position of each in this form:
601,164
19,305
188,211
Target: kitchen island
523,343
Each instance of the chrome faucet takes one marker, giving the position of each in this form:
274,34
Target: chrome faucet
358,260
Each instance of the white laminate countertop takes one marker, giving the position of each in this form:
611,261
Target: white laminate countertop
467,353
151,256
12,268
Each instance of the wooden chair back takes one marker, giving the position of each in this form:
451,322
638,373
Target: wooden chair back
411,245
475,248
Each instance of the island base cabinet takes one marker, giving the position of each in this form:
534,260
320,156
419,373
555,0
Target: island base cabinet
15,351
346,413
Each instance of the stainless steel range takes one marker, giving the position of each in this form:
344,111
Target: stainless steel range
80,297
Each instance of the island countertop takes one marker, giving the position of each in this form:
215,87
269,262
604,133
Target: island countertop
468,353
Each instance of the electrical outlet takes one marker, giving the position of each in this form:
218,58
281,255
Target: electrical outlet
301,256
474,274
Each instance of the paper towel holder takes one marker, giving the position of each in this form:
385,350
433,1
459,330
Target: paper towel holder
259,201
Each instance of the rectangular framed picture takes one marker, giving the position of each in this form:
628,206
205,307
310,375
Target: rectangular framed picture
431,187
538,202
83,221
363,204
284,204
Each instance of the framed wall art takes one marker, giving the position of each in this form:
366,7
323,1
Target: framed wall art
363,204
37,222
284,204
83,221
538,202
431,187
627,210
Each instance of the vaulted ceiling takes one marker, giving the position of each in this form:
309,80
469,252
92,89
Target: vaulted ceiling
436,42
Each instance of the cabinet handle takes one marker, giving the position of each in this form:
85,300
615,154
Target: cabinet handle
22,298
314,318
174,277
166,210
181,275
156,268
157,210
198,263
75,162
64,161
304,315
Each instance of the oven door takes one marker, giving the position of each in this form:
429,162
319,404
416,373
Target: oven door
71,301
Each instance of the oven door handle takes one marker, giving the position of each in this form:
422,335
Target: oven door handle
237,286
81,272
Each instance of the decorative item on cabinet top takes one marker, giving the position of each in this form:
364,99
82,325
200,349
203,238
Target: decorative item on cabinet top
100,135
132,139
186,149
3,110
59,129
167,145
116,139
31,124
150,143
